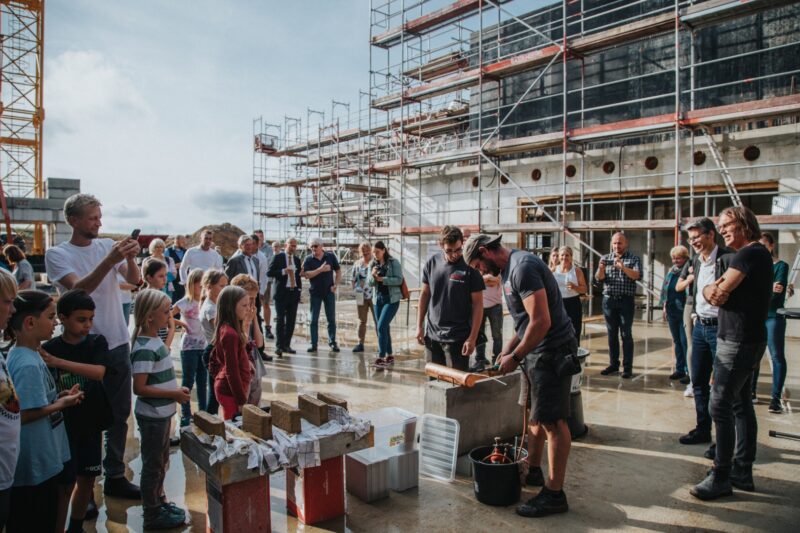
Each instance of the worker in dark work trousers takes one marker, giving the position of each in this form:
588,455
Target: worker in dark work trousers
546,348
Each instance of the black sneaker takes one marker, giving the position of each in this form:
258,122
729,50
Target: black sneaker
289,350
695,437
775,406
479,366
677,375
711,452
685,380
119,487
545,503
279,353
268,334
312,349
91,510
358,348
535,477
266,358
610,370
716,485
627,374
174,441
334,347
742,477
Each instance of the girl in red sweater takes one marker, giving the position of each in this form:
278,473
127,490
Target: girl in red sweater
230,365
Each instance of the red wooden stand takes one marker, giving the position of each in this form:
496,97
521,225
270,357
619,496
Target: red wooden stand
238,507
317,494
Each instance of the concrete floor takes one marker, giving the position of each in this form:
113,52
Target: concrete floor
629,472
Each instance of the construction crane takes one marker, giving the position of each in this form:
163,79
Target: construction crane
21,109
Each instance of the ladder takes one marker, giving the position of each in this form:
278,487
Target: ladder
723,169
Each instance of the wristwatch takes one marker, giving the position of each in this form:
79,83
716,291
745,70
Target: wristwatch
516,358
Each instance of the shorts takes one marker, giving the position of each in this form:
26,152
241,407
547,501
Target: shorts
67,474
87,454
549,393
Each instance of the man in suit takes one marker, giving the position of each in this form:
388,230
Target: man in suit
284,269
244,262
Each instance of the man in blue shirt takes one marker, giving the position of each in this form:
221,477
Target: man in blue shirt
322,270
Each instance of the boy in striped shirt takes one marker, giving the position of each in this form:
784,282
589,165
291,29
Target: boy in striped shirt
157,392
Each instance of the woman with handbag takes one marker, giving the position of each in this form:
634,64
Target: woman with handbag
386,276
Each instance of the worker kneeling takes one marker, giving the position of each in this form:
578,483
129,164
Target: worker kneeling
545,347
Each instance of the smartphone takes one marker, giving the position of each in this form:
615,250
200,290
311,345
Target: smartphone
135,233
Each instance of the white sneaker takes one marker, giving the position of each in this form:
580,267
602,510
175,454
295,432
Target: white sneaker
689,392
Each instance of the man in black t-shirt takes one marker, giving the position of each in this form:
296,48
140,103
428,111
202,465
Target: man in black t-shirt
546,347
322,270
743,296
452,300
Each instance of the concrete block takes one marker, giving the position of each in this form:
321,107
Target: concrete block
332,399
210,424
485,411
312,409
404,471
257,422
367,474
285,416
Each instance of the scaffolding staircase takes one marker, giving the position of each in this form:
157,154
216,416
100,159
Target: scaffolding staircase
723,169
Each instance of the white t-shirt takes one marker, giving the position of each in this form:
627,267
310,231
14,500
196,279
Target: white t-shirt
198,258
125,296
263,266
208,313
194,337
66,258
9,427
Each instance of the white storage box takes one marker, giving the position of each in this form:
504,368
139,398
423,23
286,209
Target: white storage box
367,474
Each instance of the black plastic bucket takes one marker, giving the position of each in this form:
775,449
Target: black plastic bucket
497,484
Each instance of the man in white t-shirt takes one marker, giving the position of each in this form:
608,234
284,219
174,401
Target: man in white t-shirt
90,263
202,256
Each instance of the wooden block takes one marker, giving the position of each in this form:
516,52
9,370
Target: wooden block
285,416
313,410
210,424
257,422
332,399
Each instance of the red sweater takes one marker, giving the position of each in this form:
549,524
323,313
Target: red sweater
230,357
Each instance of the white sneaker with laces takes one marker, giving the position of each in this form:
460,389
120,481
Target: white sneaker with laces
689,392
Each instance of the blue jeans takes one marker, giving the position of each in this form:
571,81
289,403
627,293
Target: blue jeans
731,406
618,312
776,340
126,312
385,311
495,316
330,313
193,370
678,332
704,348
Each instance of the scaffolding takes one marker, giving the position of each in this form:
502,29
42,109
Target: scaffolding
552,123
21,110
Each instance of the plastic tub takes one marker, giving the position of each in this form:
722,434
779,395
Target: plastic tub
497,484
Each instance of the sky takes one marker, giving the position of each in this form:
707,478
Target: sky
151,103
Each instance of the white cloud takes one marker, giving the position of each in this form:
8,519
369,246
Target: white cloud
127,211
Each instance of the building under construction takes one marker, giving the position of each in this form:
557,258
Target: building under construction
548,122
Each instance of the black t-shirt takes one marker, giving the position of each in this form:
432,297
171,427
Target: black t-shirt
525,274
742,318
450,306
321,284
91,414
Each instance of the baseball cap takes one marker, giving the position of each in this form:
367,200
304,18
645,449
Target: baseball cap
475,242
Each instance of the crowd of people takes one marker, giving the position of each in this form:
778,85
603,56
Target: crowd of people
61,394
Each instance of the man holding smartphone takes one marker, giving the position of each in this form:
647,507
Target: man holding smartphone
90,263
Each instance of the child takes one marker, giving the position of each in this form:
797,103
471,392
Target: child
78,357
9,405
230,364
193,344
255,337
44,458
214,280
154,274
156,389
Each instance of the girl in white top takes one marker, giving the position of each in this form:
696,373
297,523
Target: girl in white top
572,284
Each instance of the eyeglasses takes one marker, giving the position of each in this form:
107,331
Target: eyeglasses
697,237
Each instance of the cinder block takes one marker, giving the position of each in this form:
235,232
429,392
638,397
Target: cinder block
332,399
367,474
257,422
285,416
312,409
210,424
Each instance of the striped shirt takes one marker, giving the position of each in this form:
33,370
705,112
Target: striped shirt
151,357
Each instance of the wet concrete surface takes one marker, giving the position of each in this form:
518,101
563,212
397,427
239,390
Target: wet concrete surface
629,472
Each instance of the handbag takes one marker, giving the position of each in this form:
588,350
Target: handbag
404,292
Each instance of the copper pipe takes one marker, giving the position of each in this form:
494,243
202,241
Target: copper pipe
451,375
